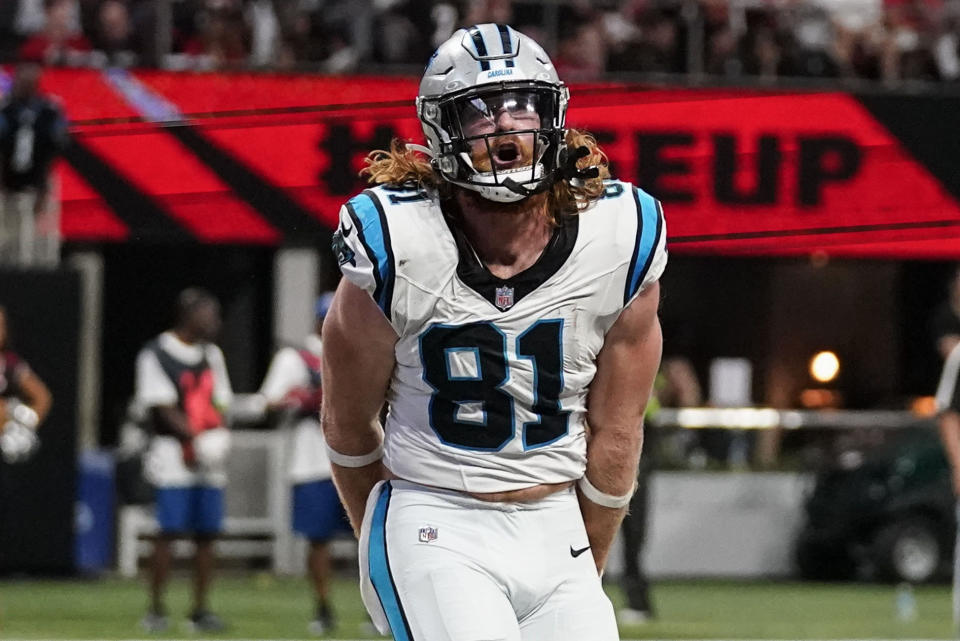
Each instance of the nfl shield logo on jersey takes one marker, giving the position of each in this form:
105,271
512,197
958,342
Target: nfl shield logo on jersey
504,298
428,534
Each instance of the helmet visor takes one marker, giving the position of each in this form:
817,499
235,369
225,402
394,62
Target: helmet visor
484,113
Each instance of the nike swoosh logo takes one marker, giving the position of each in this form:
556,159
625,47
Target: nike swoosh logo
576,553
346,231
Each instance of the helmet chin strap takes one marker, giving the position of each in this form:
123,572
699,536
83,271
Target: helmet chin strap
567,170
545,183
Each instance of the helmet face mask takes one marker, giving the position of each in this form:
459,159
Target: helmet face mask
499,134
500,138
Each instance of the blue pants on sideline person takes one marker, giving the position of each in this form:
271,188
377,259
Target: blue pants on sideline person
317,512
196,510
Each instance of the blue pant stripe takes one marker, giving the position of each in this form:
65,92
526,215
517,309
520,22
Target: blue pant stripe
380,574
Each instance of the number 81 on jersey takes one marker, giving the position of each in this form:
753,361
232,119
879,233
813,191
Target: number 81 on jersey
468,366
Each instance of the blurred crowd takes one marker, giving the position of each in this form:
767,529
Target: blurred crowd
888,40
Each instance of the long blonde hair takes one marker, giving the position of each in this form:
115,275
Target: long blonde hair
403,166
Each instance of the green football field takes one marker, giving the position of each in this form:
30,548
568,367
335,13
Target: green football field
262,607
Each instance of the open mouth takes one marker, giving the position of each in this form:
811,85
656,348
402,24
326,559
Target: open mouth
507,154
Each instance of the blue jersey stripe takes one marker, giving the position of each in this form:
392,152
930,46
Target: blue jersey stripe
380,574
648,235
480,46
505,44
375,236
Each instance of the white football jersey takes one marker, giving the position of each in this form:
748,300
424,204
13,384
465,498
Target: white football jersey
490,387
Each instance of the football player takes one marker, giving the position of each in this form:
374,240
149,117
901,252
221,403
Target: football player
24,402
501,298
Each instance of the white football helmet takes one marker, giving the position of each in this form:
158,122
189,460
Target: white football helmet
472,79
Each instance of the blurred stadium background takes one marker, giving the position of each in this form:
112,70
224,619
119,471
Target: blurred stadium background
807,156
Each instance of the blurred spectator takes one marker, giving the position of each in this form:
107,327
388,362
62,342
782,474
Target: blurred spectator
114,41
8,34
302,41
30,16
905,50
945,323
889,40
811,36
497,11
404,31
723,53
764,54
292,391
24,401
265,32
582,46
653,48
946,49
183,387
33,131
335,39
61,41
947,332
222,37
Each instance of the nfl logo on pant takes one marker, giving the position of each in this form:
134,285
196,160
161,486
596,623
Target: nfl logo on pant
504,298
428,534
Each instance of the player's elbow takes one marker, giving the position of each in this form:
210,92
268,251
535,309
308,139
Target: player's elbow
626,436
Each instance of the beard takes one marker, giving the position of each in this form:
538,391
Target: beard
518,149
493,207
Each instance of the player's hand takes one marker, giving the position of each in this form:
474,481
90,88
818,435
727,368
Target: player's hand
18,442
302,399
189,453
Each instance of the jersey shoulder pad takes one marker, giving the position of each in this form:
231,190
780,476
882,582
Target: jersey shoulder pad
364,249
637,226
386,232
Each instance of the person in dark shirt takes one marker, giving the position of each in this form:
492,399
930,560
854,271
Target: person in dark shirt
946,332
33,131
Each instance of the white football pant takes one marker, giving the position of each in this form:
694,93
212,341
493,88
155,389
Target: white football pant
438,565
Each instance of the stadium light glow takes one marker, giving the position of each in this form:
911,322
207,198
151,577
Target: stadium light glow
824,366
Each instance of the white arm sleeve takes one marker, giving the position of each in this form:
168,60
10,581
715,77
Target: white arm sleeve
222,391
287,371
152,385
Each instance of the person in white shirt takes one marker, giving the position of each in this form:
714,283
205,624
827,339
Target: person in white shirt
183,387
293,389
